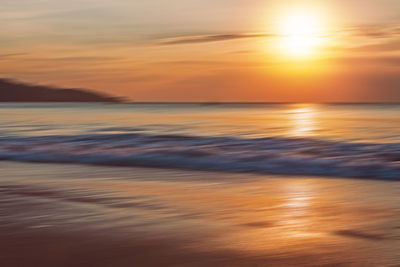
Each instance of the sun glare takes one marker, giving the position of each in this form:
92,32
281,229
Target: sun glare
300,33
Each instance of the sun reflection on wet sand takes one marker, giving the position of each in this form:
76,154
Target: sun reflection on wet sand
296,220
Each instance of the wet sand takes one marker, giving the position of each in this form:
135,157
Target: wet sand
75,215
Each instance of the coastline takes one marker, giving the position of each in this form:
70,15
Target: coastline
76,215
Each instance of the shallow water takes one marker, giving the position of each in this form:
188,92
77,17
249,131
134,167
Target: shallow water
343,122
346,140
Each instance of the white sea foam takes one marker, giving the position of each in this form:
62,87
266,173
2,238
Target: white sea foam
293,156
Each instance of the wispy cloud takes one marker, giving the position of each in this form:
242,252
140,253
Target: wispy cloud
374,31
210,38
367,31
76,59
365,60
391,45
10,55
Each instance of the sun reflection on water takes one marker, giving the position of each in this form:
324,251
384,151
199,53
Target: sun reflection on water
303,119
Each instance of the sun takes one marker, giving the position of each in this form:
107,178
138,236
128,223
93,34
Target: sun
300,33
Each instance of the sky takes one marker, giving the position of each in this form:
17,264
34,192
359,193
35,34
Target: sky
207,50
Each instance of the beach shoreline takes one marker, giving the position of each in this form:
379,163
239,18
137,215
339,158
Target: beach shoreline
76,215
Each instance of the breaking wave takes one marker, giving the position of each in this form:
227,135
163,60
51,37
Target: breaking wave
290,156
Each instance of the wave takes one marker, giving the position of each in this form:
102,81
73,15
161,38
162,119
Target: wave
274,155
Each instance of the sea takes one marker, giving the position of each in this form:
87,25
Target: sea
325,140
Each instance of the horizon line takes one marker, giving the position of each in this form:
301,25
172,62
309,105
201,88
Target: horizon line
249,102
197,102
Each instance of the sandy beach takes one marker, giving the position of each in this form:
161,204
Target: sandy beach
76,215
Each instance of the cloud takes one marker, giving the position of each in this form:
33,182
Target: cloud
365,31
367,39
76,59
370,31
210,38
395,61
364,60
4,56
391,45
373,31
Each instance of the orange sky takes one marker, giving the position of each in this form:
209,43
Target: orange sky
206,50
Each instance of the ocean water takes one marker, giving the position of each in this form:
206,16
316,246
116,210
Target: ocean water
341,140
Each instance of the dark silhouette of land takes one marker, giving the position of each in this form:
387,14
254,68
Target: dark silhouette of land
13,91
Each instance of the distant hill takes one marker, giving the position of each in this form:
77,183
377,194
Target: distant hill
13,91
